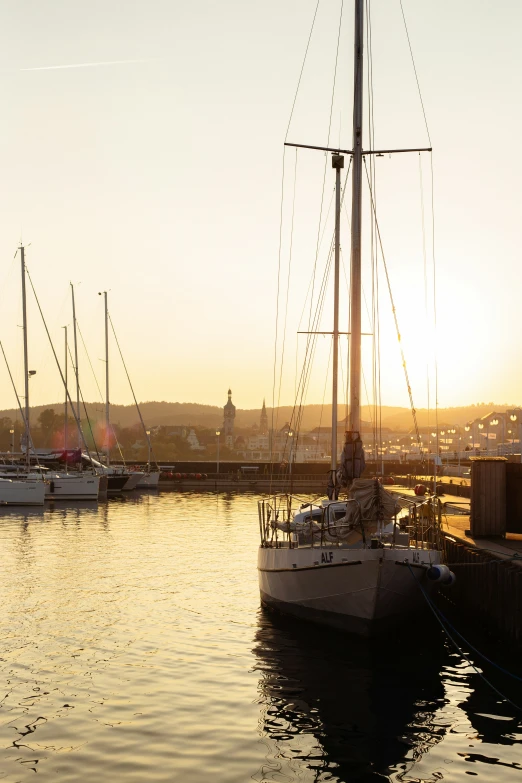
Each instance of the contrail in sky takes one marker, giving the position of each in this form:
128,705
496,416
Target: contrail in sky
83,65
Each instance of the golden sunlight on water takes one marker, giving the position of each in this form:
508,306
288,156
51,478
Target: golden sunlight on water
133,648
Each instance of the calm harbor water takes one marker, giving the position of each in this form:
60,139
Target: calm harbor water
133,648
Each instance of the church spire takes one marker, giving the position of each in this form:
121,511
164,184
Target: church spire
263,423
229,411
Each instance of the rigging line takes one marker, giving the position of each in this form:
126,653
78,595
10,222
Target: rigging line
324,395
325,226
344,381
394,311
346,386
367,396
130,384
22,414
277,309
434,316
302,69
377,435
425,270
415,71
118,444
310,349
287,284
320,302
311,344
57,362
326,154
89,360
319,309
312,338
86,412
296,416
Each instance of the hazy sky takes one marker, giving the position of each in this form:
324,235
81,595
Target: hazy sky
158,178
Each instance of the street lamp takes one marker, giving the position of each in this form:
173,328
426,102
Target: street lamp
291,435
218,433
494,423
11,432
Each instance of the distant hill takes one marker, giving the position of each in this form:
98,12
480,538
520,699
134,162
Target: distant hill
194,414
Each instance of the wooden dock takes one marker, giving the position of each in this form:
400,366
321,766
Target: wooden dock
488,590
489,577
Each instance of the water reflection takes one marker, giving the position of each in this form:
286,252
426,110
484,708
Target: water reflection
343,708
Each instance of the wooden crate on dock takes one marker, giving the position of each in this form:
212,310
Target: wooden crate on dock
488,496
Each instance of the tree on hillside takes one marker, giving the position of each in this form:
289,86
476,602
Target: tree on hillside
47,422
52,423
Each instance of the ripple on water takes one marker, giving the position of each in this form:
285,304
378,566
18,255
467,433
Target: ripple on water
132,648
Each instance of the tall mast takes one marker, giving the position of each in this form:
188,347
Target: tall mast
107,417
355,276
66,411
337,164
76,371
26,359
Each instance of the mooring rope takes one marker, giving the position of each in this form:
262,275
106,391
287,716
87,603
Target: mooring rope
438,616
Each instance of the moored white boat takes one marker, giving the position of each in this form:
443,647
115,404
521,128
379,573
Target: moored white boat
59,485
22,492
348,563
314,568
149,480
70,486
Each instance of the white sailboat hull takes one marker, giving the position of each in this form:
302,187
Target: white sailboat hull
22,493
149,480
363,591
73,488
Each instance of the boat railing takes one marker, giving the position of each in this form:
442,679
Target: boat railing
278,529
424,522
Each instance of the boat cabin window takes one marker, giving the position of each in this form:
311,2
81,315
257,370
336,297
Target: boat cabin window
316,516
337,512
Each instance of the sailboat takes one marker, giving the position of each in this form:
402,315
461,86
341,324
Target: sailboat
52,484
119,479
21,490
351,564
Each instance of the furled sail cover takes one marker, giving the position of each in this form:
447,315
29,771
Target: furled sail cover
353,460
376,503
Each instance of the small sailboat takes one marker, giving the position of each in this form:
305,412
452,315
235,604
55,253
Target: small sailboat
119,479
22,489
58,485
141,479
352,564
